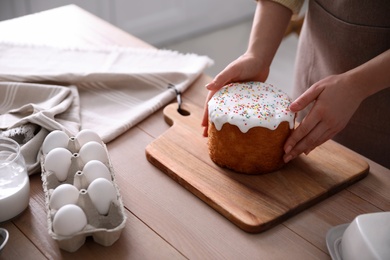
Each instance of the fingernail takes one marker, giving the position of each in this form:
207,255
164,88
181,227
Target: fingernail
288,149
288,158
212,85
209,85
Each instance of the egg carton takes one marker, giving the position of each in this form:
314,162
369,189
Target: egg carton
105,229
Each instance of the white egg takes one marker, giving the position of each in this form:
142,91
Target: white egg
96,169
87,135
62,195
69,219
55,139
58,161
93,151
102,192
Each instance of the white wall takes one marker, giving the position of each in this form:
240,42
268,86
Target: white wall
158,22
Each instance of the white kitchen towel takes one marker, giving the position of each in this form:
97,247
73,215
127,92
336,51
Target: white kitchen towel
49,106
115,87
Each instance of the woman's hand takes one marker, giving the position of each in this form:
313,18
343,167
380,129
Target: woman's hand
269,24
245,68
334,100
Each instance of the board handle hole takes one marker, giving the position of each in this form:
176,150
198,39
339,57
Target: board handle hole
183,112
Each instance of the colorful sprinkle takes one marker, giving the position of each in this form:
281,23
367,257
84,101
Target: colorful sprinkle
253,103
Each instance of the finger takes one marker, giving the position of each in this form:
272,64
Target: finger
211,85
206,131
321,137
205,119
308,123
225,77
318,134
205,108
306,98
325,137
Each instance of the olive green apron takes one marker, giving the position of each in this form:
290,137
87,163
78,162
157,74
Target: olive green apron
336,37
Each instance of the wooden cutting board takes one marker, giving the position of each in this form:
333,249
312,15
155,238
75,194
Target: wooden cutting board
252,202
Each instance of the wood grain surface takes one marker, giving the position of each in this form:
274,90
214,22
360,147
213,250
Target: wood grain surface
254,203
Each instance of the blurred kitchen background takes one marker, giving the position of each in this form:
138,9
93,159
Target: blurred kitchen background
217,28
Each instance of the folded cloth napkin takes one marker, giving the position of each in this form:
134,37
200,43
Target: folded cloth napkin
108,89
28,112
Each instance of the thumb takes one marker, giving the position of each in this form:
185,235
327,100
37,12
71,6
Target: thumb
223,78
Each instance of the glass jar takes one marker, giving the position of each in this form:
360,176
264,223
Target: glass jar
14,180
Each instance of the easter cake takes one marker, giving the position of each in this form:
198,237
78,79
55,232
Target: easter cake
248,126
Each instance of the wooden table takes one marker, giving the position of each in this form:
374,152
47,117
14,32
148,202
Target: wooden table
165,221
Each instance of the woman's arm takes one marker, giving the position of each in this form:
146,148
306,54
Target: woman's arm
335,99
269,24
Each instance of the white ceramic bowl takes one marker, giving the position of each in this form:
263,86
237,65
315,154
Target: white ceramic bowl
367,237
3,238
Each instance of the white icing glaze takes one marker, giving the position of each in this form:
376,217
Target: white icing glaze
250,104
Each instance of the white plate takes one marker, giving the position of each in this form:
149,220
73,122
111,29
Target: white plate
3,238
333,241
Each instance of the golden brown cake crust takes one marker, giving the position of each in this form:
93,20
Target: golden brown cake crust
260,150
